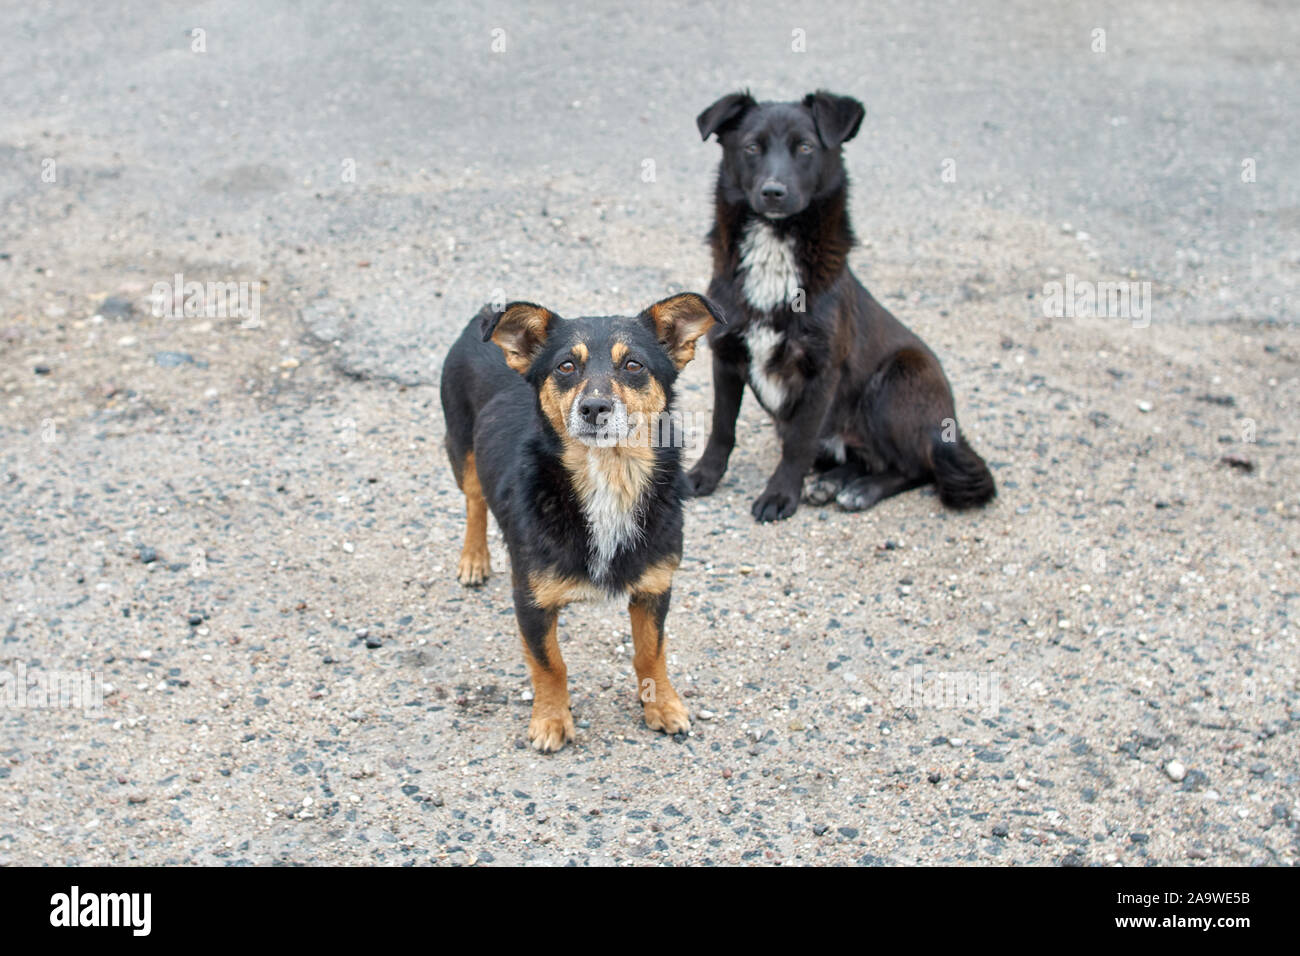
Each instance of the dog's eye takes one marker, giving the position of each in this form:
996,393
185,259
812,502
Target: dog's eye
566,367
753,149
632,365
805,148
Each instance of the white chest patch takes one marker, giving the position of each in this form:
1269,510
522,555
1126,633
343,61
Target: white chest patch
762,341
612,513
771,270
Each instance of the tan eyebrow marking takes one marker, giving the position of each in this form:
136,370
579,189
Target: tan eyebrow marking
618,353
580,350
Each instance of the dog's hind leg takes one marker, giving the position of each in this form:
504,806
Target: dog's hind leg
861,493
820,488
474,564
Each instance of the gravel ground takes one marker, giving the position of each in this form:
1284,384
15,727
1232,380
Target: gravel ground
250,529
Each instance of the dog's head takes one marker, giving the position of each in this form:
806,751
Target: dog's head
599,379
778,157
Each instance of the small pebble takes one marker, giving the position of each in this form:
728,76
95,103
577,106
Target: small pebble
173,359
116,306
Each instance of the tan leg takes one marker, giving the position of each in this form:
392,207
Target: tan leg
551,726
664,710
474,564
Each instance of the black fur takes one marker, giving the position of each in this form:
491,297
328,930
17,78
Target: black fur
860,400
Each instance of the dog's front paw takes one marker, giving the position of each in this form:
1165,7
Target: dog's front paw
703,479
474,568
775,505
667,715
551,730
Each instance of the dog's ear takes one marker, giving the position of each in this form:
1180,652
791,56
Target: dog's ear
520,329
837,117
724,113
681,319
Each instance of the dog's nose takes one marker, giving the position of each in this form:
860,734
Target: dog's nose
773,190
595,410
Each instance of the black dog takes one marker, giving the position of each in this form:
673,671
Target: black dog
857,397
565,430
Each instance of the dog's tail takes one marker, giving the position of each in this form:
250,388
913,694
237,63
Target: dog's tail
964,480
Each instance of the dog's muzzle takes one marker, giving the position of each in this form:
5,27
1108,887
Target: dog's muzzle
598,420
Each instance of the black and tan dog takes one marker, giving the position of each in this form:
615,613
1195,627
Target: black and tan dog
857,397
565,430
